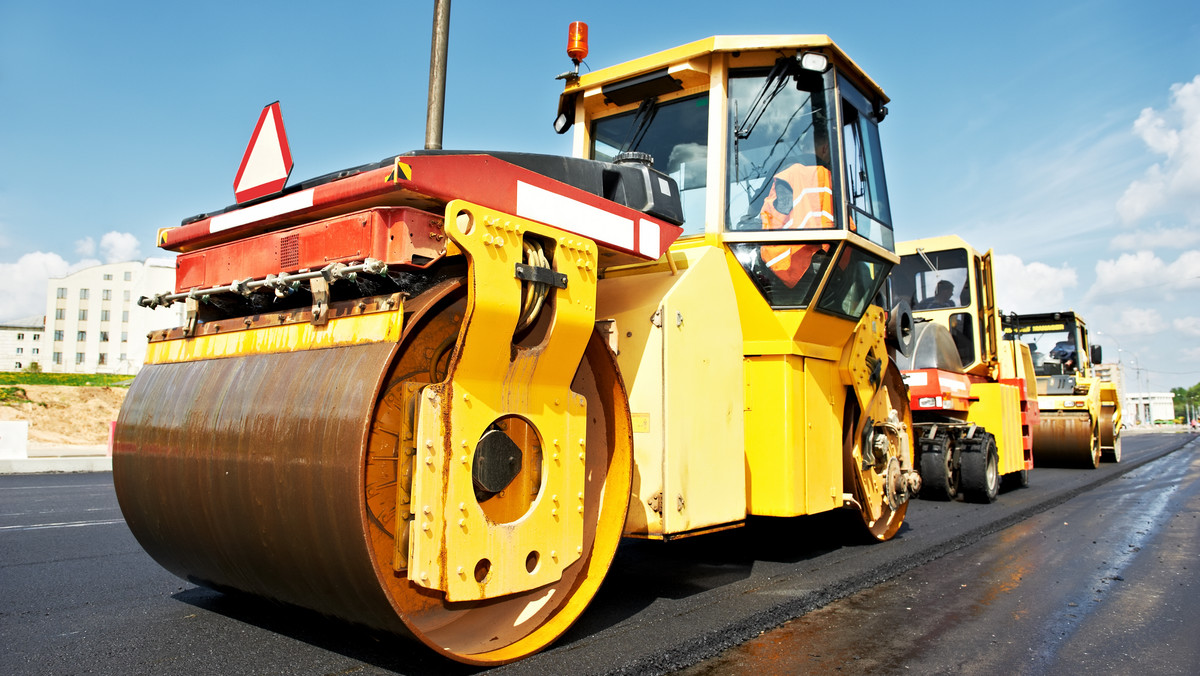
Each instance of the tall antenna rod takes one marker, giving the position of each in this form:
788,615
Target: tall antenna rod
436,113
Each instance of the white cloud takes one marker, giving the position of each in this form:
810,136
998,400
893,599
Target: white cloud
118,247
1140,321
1173,185
1142,270
1187,325
1191,353
1032,287
85,247
1156,238
23,284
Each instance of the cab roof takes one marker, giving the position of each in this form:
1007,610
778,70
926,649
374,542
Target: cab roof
722,44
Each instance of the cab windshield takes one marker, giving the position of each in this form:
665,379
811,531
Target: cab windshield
779,153
1052,345
933,280
675,134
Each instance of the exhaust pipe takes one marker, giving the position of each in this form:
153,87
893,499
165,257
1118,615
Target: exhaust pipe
435,115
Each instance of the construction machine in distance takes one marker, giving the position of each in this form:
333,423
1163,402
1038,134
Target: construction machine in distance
1080,413
443,386
972,391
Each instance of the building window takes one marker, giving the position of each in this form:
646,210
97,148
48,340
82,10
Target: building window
62,292
58,335
126,295
20,336
104,336
124,337
36,336
60,313
34,350
106,294
124,357
78,357
108,276
20,350
18,365
83,315
104,315
125,316
83,294
58,357
82,335
128,276
103,359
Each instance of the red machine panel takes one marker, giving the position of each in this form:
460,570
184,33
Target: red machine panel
394,235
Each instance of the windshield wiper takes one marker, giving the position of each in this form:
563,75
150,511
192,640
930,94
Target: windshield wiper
776,80
641,122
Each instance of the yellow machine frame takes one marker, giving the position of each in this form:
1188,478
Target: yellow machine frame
738,409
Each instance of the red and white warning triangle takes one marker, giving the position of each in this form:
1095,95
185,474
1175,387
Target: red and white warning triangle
268,160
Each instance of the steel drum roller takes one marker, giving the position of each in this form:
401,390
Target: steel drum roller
1065,440
263,473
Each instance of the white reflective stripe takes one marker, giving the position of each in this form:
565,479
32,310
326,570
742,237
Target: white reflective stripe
771,263
258,212
551,208
649,239
811,214
810,191
952,384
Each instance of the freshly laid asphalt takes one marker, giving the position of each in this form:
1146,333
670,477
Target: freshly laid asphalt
80,596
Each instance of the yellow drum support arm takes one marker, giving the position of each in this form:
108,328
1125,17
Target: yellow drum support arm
460,544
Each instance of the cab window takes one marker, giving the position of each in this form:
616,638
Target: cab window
865,182
778,164
675,134
933,280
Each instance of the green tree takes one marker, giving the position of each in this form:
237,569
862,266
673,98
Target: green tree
33,367
1185,397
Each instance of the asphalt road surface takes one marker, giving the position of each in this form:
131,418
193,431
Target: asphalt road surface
1082,570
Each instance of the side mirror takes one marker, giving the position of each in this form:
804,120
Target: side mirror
1096,355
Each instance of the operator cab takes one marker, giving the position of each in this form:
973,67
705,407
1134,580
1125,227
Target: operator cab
774,145
1058,342
941,280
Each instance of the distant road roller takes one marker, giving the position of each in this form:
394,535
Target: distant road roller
1080,414
441,387
973,389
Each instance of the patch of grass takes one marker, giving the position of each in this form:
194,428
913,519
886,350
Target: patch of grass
73,379
11,396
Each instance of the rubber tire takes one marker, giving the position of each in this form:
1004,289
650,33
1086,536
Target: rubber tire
938,480
980,481
1015,480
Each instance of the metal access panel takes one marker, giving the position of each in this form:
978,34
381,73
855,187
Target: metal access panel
394,235
679,347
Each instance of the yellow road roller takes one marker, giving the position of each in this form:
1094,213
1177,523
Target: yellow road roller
973,391
1080,414
430,395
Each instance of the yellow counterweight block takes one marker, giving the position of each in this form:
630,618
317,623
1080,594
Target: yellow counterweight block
505,409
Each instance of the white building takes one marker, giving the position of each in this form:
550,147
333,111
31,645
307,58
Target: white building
1148,408
23,342
93,320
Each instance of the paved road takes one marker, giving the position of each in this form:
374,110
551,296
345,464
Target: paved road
80,596
1105,583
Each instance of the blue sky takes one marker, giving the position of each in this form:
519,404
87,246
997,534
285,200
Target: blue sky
1064,136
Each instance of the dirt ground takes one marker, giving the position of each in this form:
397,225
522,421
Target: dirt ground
72,416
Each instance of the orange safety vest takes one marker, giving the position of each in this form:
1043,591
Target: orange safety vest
811,195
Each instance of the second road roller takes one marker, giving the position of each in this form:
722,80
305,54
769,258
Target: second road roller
1080,413
430,394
